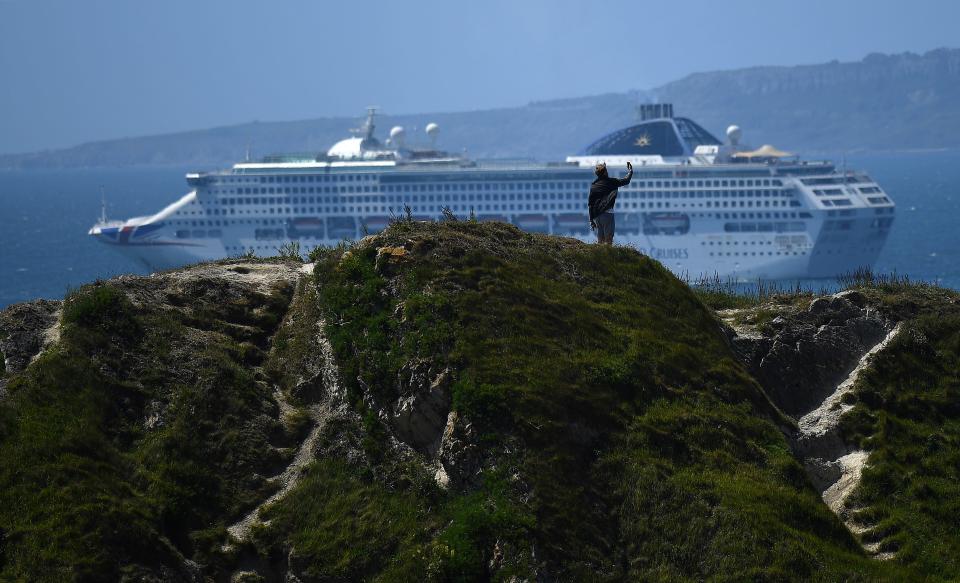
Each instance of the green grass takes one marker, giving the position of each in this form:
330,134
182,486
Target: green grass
907,415
728,293
3,357
865,278
344,524
350,528
86,492
67,503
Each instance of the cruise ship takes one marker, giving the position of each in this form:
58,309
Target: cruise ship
701,206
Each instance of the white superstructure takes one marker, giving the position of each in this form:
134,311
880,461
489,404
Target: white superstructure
698,205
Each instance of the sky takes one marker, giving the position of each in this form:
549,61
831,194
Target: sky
73,71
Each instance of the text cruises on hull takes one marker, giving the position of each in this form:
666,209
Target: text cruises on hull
700,206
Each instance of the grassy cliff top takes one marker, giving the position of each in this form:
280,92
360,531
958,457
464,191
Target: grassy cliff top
476,403
621,438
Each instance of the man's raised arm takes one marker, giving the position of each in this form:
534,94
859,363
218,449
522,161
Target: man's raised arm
626,179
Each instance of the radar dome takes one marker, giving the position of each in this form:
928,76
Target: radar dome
397,134
432,131
733,134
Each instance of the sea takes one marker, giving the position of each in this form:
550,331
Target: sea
45,215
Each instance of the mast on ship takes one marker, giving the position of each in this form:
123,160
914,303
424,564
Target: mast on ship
366,130
103,206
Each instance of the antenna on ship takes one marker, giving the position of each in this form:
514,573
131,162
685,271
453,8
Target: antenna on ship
247,157
103,206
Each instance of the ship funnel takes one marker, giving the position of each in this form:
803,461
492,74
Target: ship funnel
655,111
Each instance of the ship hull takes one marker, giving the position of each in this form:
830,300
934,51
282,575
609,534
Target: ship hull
771,256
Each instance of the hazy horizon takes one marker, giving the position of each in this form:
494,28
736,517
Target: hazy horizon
107,69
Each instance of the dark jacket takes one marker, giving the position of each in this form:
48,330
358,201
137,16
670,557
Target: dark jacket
603,193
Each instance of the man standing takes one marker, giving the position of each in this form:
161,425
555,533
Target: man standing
603,195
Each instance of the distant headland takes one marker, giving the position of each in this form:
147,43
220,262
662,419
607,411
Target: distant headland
881,103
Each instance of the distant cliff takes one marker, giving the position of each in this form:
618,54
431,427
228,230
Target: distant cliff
463,401
884,102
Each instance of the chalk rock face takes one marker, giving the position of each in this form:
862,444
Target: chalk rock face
459,454
419,417
809,352
424,420
23,333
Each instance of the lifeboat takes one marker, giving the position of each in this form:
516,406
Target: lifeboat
532,223
375,224
305,227
492,218
628,223
666,223
571,223
341,228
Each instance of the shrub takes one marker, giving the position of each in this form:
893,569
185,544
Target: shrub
100,308
290,250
